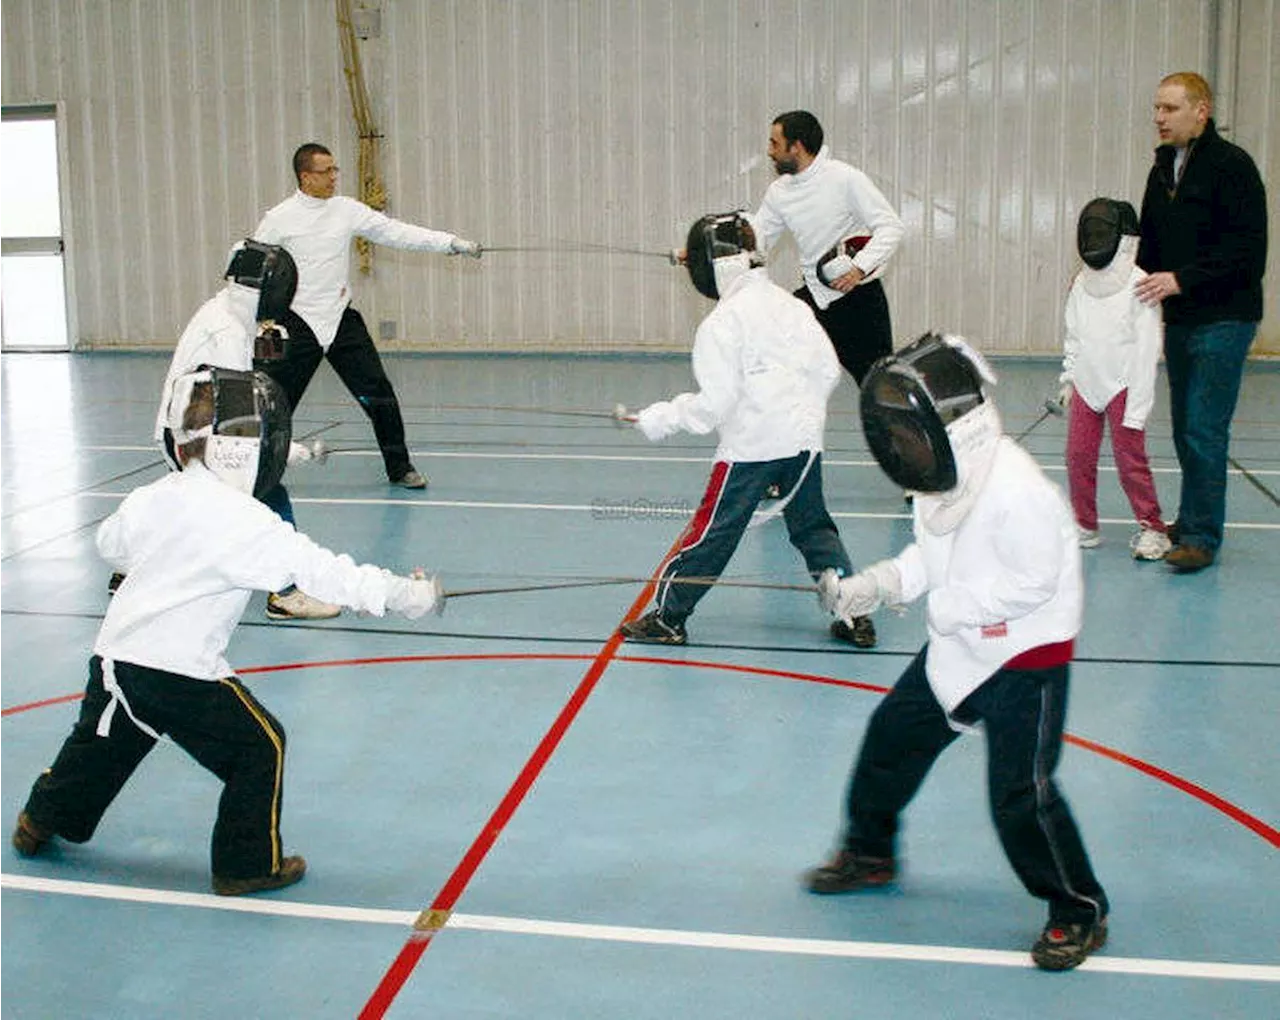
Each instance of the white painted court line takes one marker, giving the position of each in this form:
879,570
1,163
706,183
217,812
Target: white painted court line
647,512
644,936
645,458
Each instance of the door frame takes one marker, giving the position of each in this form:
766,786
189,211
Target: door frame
55,111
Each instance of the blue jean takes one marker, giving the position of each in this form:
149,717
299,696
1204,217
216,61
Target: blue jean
1205,365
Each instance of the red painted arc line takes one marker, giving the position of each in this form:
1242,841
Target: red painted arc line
406,960
1267,832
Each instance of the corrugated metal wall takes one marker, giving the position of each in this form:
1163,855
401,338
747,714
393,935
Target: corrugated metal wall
553,123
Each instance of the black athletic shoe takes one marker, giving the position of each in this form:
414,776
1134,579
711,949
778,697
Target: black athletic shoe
861,632
291,870
848,872
1065,946
651,629
28,837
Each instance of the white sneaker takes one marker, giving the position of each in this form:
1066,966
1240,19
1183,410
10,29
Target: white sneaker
1088,539
298,605
1149,544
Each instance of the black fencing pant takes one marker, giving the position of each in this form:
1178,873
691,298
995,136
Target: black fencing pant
858,325
1023,712
355,359
218,722
733,492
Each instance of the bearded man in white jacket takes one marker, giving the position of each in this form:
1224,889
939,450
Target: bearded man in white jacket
846,231
195,545
765,372
996,556
317,226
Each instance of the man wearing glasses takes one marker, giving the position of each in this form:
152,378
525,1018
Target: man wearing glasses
317,227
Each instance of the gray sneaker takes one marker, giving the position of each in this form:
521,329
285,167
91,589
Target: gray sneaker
411,479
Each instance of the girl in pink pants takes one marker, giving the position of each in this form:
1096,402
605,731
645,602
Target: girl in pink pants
1110,349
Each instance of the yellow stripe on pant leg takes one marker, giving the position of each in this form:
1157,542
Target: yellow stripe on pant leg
256,711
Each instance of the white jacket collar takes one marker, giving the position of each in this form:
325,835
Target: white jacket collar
308,201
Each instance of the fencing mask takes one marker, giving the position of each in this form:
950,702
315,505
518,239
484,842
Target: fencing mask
271,271
243,418
1103,223
839,259
912,404
719,249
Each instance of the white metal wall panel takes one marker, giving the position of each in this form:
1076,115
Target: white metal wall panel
548,124
1255,124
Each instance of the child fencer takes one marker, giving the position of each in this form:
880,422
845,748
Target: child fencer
196,544
765,370
1111,346
238,328
996,556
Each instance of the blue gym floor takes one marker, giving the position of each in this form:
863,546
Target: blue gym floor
508,814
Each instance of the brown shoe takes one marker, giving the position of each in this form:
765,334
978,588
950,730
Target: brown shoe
28,837
849,872
859,632
291,870
1186,559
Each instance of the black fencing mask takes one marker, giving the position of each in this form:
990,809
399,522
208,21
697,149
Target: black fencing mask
719,248
909,400
1103,222
268,269
244,419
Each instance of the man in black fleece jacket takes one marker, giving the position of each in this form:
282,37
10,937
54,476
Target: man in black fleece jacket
1204,244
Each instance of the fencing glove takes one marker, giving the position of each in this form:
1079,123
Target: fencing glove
460,247
416,596
657,421
1064,393
863,593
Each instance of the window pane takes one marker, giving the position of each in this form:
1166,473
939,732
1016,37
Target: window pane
32,307
29,179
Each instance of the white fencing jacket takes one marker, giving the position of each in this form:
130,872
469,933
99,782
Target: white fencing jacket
1006,580
220,334
764,369
826,202
1112,342
194,550
318,233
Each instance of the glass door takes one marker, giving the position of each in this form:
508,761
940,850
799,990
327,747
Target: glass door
33,292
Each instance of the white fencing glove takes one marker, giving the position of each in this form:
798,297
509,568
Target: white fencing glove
460,247
314,452
415,596
863,593
657,421
1064,393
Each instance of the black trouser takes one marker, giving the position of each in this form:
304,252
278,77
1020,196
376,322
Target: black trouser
355,359
858,325
218,722
732,495
1023,712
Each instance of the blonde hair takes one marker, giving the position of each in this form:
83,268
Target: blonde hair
1196,88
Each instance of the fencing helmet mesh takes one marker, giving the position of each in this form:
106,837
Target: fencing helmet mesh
243,418
268,269
719,247
908,402
1103,222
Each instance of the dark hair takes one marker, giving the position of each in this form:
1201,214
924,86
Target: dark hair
803,127
198,414
302,158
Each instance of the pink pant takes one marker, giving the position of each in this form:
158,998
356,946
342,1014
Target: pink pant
1084,438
